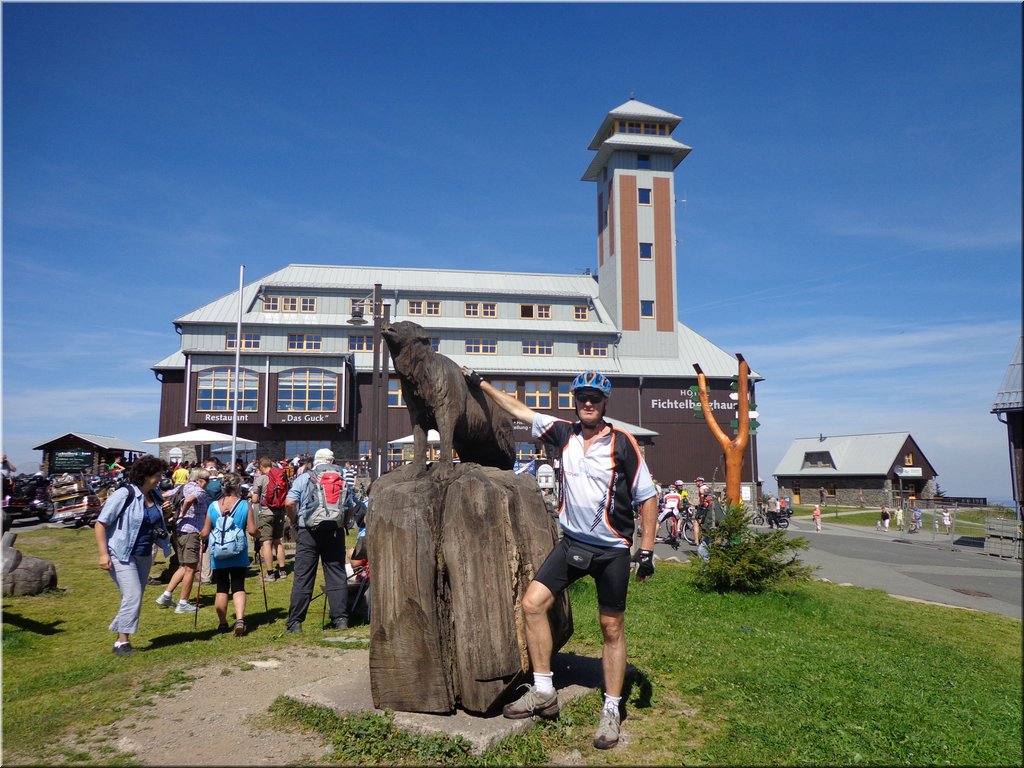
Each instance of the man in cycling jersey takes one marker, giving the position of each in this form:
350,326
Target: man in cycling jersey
670,506
603,474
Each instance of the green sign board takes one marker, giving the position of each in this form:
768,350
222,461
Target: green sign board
70,461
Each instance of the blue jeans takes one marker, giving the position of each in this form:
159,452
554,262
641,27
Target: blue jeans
326,546
130,578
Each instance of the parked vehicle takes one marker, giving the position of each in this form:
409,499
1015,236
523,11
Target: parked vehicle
26,497
77,500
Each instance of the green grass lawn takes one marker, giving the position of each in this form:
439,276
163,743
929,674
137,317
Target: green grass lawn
814,674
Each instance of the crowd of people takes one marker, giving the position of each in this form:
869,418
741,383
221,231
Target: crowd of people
207,514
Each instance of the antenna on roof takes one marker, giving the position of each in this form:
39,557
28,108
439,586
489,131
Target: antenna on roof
821,438
632,95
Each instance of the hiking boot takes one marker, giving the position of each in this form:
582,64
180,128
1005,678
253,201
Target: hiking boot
239,628
339,624
165,600
123,650
272,576
532,703
184,608
223,628
293,629
608,730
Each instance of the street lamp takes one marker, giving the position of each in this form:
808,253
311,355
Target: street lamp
381,314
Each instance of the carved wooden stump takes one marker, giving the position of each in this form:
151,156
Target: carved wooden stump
451,557
25,574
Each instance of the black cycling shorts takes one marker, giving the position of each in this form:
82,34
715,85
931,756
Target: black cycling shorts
608,565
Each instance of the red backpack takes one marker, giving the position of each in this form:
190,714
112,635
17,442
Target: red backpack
277,489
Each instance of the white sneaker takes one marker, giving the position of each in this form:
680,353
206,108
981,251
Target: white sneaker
165,600
185,608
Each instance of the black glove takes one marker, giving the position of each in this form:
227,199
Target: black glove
472,376
645,569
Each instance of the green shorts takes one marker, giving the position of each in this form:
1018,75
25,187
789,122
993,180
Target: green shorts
271,524
187,547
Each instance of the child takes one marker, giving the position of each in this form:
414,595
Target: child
816,516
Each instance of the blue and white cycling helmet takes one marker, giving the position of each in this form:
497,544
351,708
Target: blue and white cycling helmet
592,380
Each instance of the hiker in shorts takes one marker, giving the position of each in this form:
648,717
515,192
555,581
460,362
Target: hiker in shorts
270,520
229,572
189,521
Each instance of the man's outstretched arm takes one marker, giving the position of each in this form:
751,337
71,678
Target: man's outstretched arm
512,406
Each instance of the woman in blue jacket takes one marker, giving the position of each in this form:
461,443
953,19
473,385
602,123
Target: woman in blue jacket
129,524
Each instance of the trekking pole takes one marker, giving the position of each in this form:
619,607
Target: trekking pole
199,586
263,581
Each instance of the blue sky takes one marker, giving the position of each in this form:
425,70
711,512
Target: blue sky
852,221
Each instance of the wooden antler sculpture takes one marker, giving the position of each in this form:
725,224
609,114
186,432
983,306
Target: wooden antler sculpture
733,448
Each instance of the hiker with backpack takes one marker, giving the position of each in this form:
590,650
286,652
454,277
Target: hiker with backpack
268,497
190,503
129,523
315,507
227,521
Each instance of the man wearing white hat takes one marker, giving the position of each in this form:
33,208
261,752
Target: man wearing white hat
315,505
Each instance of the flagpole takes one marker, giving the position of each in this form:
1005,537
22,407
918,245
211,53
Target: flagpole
238,362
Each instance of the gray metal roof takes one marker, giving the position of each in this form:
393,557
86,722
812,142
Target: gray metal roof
101,441
851,455
1010,396
633,110
634,142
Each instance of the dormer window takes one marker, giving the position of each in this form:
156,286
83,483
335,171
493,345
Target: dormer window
643,161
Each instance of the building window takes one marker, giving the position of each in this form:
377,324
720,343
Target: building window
395,399
796,488
490,309
433,309
305,447
416,307
435,343
505,385
646,308
544,348
249,340
271,303
643,161
481,346
527,451
361,306
908,460
643,195
304,342
472,309
646,251
215,390
289,303
565,399
581,312
592,348
307,389
360,343
535,311
365,449
632,127
307,304
538,394
395,457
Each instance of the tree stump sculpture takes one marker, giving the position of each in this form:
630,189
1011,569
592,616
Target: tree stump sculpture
25,574
733,448
452,552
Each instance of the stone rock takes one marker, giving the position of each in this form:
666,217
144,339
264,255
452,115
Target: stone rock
452,554
32,576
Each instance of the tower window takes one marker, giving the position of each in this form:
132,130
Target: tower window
643,161
646,251
651,129
643,195
646,308
581,312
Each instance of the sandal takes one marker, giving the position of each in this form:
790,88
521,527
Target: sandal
239,628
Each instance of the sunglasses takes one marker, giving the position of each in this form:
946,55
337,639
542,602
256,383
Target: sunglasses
588,398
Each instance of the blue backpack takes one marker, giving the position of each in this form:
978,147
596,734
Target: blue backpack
227,540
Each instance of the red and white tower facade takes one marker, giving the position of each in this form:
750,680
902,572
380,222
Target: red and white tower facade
634,170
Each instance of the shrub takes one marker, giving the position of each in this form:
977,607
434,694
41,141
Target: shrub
741,559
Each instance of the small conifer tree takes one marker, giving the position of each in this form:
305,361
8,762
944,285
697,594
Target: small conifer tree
740,559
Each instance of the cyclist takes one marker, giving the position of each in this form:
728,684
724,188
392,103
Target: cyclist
670,508
704,501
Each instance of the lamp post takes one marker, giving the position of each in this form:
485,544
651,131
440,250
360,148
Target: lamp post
378,382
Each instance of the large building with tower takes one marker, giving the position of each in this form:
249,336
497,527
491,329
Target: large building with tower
305,371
